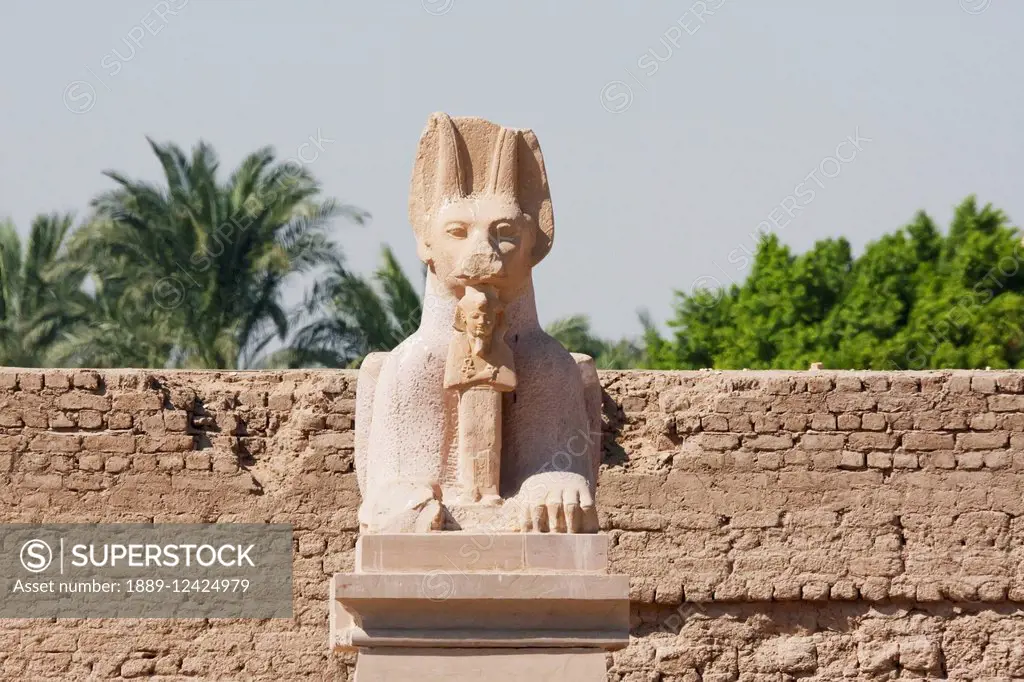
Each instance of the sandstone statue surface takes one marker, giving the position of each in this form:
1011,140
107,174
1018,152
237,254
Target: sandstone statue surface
479,420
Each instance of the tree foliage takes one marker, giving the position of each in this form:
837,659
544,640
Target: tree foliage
351,316
191,272
575,334
914,299
40,291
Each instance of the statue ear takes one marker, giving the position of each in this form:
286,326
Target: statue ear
460,320
534,194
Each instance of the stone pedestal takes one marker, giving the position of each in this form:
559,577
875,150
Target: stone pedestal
516,606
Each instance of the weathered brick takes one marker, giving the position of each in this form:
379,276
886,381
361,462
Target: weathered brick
1006,403
796,422
86,379
115,464
871,441
669,593
91,462
119,420
151,424
30,381
982,441
929,420
905,460
904,384
767,423
819,384
170,462
61,420
225,464
167,443
762,519
253,398
984,421
954,420
333,441
876,383
138,401
56,379
873,421
844,590
851,402
822,441
848,422
879,460
983,384
198,461
997,459
90,419
10,419
339,422
766,442
80,400
823,422
1010,383
714,422
109,442
959,383
851,460
281,400
849,383
43,481
970,460
698,521
717,441
928,441
55,443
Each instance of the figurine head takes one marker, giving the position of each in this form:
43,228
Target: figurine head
478,313
480,204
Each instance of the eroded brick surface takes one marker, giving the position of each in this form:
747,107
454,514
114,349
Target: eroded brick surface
776,525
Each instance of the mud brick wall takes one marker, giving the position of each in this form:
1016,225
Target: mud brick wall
811,525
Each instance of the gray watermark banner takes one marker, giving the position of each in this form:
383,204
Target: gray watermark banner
145,571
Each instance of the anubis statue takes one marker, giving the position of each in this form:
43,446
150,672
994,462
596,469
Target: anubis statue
480,420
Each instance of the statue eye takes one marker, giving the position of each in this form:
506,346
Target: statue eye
506,232
457,230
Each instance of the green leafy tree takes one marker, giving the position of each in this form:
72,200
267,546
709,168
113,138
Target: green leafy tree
575,334
40,291
191,271
914,299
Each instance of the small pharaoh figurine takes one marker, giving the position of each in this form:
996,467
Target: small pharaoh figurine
480,368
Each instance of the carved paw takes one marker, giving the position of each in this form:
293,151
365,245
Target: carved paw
556,502
402,507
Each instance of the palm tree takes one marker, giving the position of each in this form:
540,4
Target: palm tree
41,295
191,273
575,334
355,316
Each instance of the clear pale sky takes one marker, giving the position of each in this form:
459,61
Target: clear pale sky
671,130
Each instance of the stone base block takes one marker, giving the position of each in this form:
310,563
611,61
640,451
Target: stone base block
476,665
482,553
464,590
